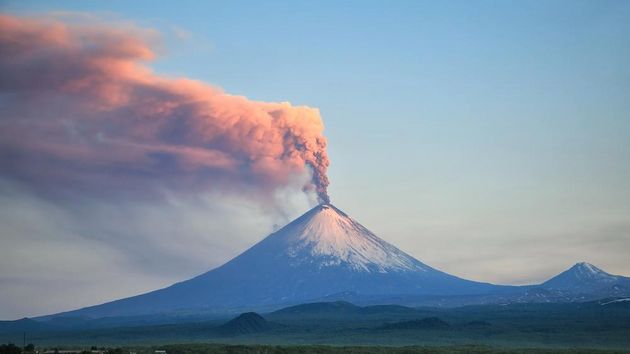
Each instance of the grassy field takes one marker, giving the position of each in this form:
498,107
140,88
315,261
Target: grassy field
322,349
259,349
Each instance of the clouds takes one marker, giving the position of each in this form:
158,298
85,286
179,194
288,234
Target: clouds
115,180
80,108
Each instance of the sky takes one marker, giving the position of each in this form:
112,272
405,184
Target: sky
488,139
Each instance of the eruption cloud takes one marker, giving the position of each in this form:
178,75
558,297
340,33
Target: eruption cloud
81,110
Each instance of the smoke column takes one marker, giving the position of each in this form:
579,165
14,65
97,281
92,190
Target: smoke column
80,110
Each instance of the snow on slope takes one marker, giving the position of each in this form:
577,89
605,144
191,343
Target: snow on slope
333,238
615,301
587,271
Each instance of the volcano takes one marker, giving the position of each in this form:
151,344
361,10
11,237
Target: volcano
586,281
322,253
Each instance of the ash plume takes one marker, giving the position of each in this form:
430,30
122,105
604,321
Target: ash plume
81,111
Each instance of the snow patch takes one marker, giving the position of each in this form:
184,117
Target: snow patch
614,301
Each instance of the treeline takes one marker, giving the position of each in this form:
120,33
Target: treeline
11,348
324,349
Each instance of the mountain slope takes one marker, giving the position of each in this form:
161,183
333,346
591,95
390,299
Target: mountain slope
585,280
323,252
21,325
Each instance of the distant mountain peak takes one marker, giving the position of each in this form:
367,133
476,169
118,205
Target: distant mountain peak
582,275
332,238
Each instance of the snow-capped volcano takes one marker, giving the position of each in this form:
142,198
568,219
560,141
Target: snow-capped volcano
322,253
328,237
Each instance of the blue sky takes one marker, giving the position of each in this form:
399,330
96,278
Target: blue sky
490,139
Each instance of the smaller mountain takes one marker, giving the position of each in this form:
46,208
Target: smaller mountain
581,274
425,323
588,281
245,323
